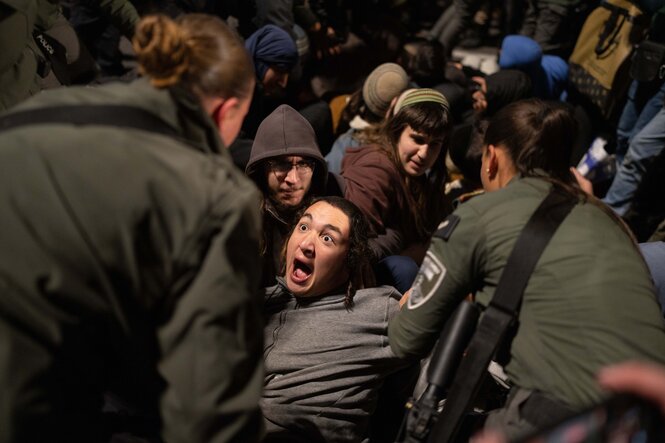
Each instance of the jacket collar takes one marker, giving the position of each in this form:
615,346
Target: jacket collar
194,123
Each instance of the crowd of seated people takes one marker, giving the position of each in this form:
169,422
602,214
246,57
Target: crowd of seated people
250,221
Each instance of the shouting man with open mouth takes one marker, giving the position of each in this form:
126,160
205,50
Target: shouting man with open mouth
326,350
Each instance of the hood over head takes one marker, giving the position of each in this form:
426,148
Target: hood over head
271,46
549,74
519,52
286,132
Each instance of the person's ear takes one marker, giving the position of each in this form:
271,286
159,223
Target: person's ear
492,160
225,109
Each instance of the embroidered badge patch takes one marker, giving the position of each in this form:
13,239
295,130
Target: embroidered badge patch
447,227
427,282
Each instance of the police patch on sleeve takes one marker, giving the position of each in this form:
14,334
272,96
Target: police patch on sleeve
447,227
429,279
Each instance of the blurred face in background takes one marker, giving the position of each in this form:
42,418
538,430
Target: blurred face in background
274,81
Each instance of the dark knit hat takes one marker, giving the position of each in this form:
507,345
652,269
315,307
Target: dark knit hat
271,46
385,82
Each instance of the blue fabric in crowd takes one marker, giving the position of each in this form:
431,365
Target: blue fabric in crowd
271,46
519,52
548,73
556,73
335,157
397,271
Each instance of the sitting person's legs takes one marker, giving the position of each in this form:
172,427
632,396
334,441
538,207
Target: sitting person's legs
396,270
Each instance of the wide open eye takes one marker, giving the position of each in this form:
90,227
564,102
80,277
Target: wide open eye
328,238
302,227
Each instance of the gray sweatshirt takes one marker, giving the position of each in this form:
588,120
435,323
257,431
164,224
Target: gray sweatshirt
325,364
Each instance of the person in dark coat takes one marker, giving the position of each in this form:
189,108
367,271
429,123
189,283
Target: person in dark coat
399,181
274,54
129,251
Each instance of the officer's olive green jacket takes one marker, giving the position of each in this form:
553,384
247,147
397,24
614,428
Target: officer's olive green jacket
129,262
589,302
20,58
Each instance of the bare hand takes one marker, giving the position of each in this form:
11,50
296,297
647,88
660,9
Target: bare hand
405,298
643,379
584,183
480,95
488,437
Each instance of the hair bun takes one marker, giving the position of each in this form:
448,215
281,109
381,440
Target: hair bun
161,50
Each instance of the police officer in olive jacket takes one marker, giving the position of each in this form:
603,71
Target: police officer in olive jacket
19,55
589,302
130,248
26,61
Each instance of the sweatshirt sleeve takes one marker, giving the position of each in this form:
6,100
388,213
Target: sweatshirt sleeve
371,184
449,272
386,244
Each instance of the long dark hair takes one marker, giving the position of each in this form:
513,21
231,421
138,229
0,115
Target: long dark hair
538,137
426,196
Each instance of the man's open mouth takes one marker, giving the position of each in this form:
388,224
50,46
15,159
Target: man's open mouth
301,271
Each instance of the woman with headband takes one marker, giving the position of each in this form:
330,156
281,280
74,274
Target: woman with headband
398,181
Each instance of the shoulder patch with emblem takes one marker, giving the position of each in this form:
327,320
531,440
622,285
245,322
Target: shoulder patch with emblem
429,279
447,227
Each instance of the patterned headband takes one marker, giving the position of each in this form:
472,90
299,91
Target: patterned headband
422,95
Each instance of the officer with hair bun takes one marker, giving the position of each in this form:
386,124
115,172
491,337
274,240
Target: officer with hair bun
130,250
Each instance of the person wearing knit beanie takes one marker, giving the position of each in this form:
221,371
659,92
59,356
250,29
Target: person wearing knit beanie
366,109
382,85
274,54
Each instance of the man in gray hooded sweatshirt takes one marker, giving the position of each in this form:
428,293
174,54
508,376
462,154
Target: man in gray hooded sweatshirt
329,367
287,166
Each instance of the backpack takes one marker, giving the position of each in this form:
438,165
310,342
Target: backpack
600,62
